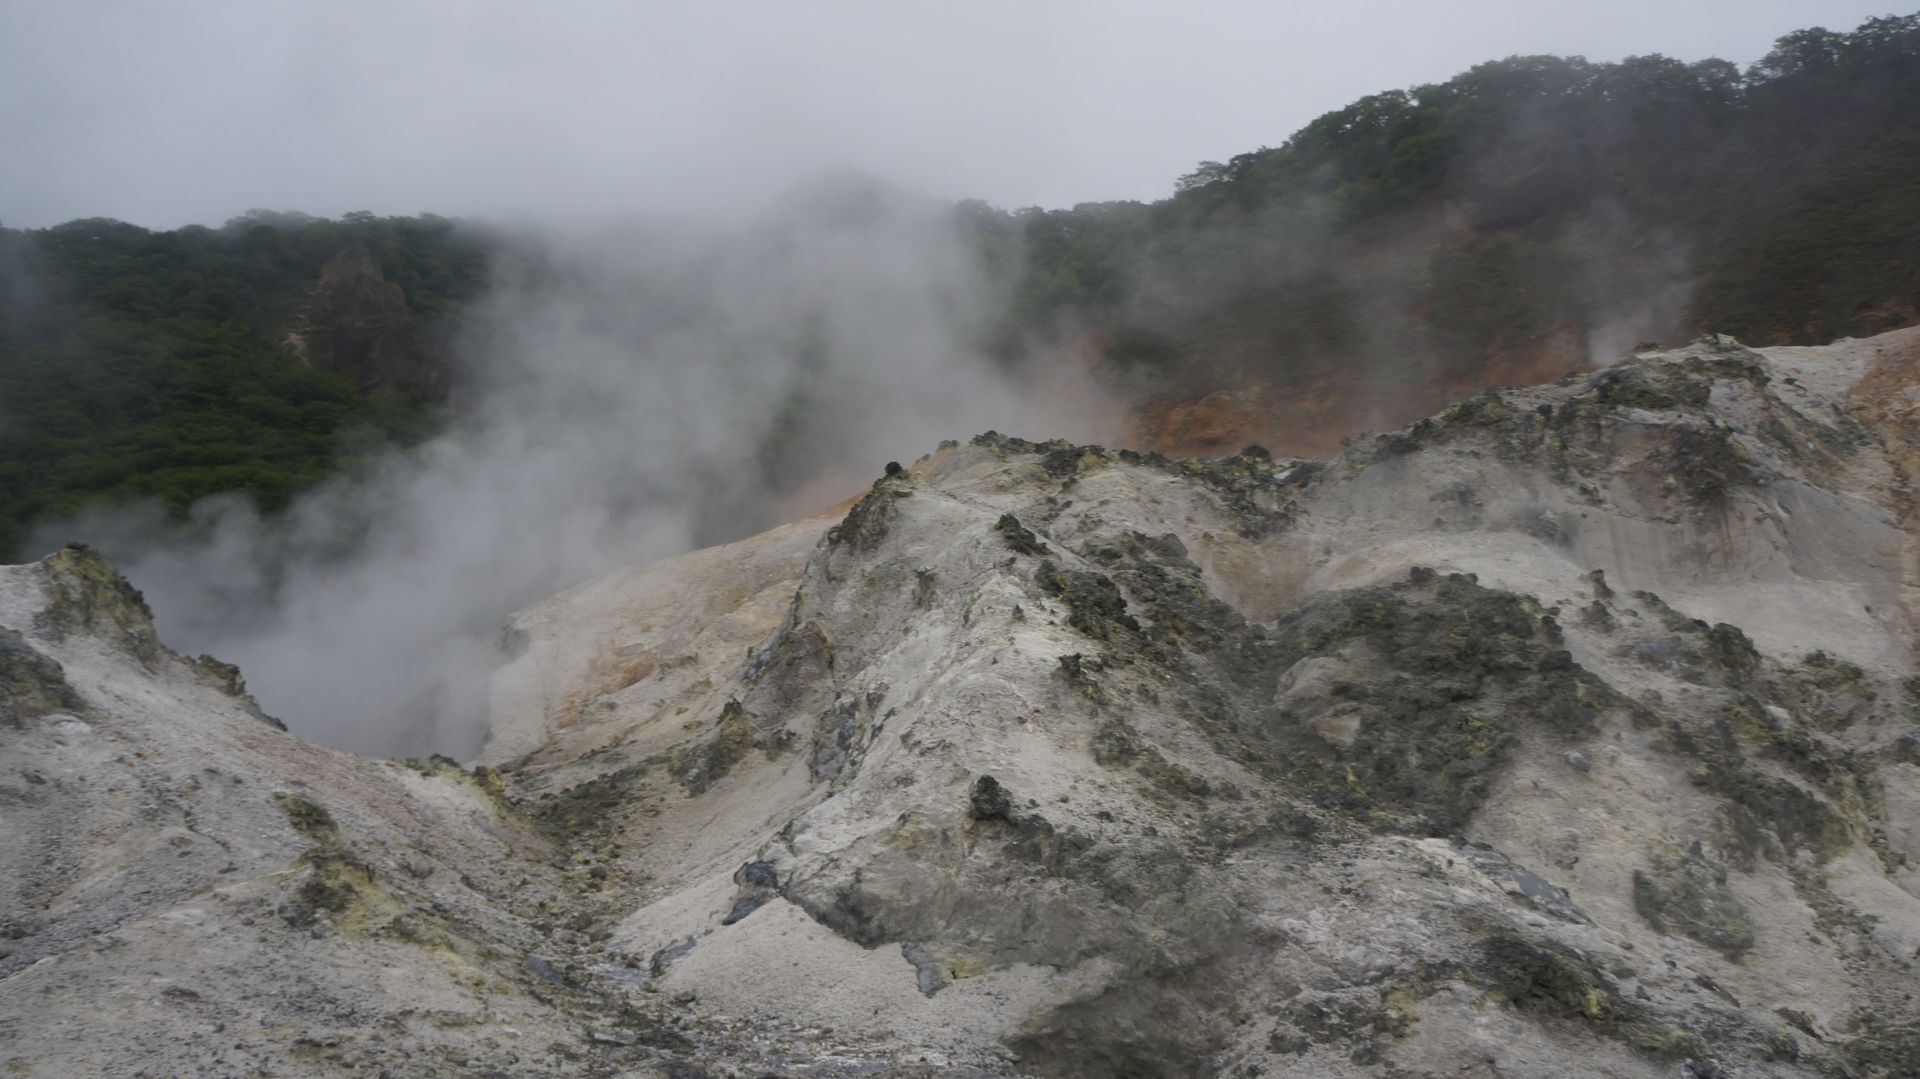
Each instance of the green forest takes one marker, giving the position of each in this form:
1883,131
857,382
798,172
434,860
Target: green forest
1783,199
1518,203
138,364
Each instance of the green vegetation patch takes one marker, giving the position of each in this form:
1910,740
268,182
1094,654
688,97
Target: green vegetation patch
700,768
309,818
1095,606
31,684
1688,894
88,596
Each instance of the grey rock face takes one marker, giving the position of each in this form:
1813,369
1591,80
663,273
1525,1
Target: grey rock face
1690,895
1566,732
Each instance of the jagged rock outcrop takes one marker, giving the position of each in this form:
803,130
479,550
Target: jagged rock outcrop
1573,730
357,324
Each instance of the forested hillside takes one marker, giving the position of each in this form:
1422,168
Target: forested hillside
140,364
1529,216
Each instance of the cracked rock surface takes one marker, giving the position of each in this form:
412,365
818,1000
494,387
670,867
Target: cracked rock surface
1574,730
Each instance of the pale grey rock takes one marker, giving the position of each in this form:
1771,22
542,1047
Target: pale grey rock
1058,761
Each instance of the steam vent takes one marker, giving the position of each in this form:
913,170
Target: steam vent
1574,729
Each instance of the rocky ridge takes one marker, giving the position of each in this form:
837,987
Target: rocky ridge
1572,730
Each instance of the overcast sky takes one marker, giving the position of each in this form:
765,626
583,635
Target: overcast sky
165,113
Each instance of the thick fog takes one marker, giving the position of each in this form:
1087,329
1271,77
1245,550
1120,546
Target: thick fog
192,110
639,390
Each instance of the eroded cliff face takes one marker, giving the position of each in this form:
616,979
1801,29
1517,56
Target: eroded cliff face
1573,730
357,324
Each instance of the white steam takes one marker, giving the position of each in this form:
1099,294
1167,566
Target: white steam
627,386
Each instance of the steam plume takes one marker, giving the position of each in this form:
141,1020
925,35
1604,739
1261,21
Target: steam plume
639,391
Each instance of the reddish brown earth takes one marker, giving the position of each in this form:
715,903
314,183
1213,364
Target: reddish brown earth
1310,417
1887,401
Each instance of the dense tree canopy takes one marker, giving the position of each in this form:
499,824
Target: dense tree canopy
1779,199
149,364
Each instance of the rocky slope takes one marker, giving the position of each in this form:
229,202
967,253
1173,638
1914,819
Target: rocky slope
1570,731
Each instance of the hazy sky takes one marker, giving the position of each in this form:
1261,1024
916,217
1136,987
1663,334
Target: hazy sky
165,112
